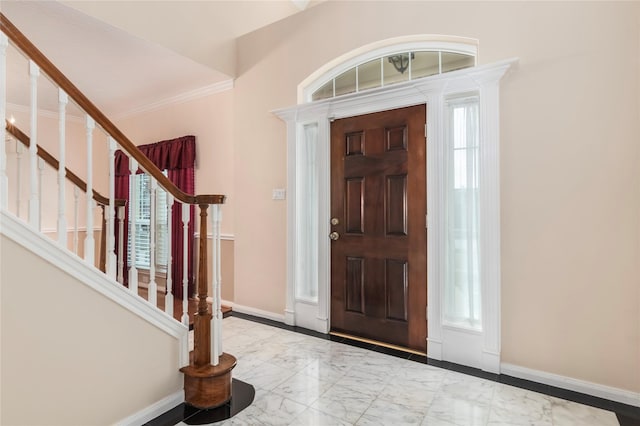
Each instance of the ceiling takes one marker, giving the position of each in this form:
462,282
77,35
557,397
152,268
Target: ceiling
127,55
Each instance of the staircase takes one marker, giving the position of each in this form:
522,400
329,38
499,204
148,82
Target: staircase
76,342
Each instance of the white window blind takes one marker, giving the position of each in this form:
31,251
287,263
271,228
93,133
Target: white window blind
142,211
462,288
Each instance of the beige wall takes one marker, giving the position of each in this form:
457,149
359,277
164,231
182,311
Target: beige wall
70,356
569,175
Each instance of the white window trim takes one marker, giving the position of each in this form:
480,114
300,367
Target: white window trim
476,349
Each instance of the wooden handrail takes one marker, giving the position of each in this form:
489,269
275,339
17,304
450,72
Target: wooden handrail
23,43
53,162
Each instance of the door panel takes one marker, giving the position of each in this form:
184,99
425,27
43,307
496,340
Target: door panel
378,193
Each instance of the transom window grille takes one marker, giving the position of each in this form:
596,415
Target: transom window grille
392,69
142,212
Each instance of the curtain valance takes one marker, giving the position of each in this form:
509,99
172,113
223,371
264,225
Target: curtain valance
172,154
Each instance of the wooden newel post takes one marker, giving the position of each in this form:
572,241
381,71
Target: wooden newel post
202,319
205,385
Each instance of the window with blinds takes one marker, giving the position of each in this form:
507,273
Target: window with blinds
142,213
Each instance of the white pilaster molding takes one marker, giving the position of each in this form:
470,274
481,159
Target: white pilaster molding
185,263
122,254
216,318
489,197
19,152
168,300
40,178
89,247
436,215
111,211
63,99
153,286
323,154
290,303
133,214
34,207
218,208
76,216
4,180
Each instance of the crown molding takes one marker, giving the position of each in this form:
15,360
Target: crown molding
191,95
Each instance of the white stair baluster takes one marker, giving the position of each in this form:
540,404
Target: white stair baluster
4,180
168,301
218,209
40,176
76,202
89,244
216,311
111,211
133,213
63,99
121,244
153,286
19,152
34,208
185,264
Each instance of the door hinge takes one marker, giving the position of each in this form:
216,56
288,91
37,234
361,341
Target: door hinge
426,313
426,221
425,132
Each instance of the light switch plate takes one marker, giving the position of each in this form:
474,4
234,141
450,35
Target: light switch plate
279,194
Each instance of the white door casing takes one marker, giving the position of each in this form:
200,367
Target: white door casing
480,349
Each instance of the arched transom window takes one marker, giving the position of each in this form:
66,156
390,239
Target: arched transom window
392,64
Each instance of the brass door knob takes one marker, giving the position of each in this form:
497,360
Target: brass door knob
334,236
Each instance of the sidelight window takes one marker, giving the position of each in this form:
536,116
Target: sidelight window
306,288
462,288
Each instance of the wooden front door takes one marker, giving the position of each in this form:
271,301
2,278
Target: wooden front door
378,208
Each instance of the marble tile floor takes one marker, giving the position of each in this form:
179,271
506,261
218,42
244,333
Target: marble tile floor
302,379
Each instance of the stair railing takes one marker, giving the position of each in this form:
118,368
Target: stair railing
207,326
44,157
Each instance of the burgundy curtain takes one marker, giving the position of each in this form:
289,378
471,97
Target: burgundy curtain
177,156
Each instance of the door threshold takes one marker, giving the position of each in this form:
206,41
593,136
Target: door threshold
375,342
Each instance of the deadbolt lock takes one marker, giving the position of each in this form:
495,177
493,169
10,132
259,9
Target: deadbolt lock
334,221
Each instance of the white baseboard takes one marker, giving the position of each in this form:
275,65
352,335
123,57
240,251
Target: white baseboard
490,362
289,317
250,311
254,311
153,410
322,325
434,349
576,385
